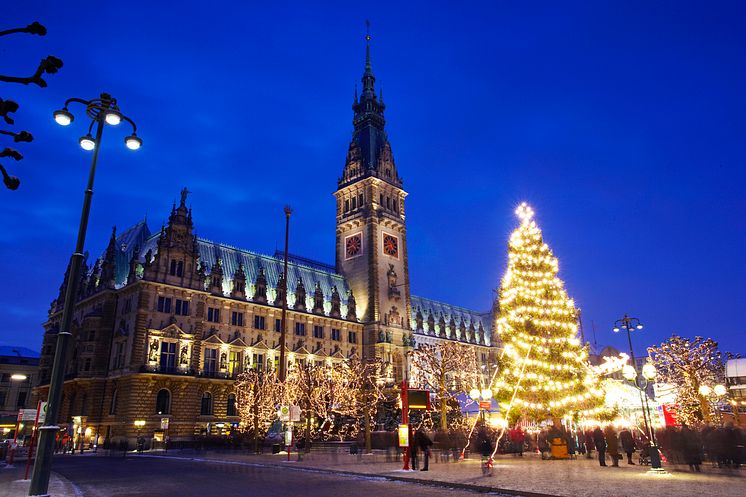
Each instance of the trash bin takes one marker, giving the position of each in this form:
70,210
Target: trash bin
353,449
275,448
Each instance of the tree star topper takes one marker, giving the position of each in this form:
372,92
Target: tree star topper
524,212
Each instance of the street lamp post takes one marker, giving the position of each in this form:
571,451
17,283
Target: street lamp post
630,373
102,110
283,324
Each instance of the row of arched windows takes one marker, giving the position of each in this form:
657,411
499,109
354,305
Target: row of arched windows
163,403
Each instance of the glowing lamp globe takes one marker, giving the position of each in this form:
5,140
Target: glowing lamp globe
639,326
649,371
474,393
87,142
486,394
63,117
133,142
616,329
629,372
113,118
705,390
720,390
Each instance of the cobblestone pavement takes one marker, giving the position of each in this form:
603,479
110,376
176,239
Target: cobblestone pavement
570,478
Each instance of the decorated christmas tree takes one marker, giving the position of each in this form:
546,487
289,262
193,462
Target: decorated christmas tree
544,371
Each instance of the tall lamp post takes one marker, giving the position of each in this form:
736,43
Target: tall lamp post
484,395
630,373
101,111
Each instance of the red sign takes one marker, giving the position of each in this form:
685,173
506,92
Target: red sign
485,404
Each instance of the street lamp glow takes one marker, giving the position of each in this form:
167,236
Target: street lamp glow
616,329
87,142
649,371
18,377
705,390
486,394
474,393
139,423
113,118
133,142
63,117
629,372
639,326
720,390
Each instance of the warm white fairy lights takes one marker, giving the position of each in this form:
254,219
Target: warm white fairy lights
546,367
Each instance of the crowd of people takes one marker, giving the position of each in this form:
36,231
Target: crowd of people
724,447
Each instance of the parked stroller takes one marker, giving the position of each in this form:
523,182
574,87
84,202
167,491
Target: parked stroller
645,455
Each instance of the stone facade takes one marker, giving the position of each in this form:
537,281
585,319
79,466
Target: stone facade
165,321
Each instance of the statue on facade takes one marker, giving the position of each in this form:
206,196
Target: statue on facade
184,356
153,356
394,292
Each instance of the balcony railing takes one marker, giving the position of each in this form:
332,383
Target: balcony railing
156,368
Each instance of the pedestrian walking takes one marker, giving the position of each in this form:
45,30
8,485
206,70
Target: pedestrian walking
600,442
691,446
423,443
517,437
628,444
612,445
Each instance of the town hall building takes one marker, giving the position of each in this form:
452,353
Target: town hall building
166,320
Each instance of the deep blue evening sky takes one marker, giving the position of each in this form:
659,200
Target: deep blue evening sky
622,124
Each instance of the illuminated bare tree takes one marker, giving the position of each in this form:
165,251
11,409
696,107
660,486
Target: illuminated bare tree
445,369
258,397
688,365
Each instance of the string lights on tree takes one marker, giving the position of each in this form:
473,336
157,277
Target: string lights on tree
546,371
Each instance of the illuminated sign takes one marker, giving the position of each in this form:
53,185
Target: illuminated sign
403,435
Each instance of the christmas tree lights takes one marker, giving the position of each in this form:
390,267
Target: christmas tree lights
546,372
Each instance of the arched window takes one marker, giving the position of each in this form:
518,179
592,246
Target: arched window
163,402
113,405
206,407
232,405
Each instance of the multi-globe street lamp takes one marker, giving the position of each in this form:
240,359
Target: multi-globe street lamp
712,395
101,111
629,324
483,395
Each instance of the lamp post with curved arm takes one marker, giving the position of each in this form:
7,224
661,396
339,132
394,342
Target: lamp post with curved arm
630,373
101,111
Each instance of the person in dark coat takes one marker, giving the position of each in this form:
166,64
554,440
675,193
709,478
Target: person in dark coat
600,442
691,447
612,445
484,442
423,443
589,446
628,444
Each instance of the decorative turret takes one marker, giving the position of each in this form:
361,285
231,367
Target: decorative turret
260,287
281,291
442,332
93,279
109,263
318,300
430,323
336,310
300,296
216,278
351,307
418,320
239,283
452,329
132,274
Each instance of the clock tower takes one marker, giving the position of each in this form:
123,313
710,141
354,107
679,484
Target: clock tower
371,231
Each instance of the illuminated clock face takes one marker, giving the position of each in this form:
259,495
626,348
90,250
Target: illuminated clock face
390,245
353,246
